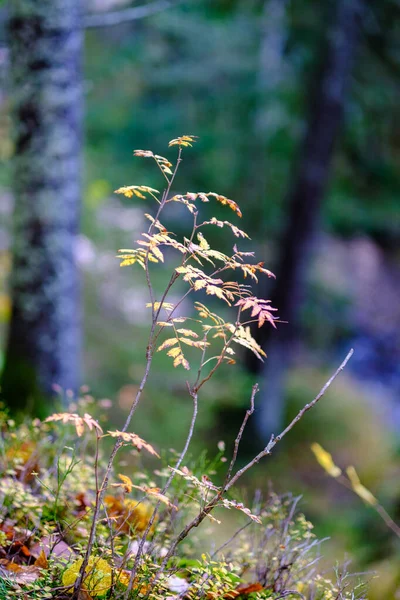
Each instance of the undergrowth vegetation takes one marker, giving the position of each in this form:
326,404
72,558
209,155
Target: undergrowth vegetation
47,495
82,519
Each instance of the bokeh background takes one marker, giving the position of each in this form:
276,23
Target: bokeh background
296,107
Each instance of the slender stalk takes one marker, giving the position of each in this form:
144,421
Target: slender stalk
165,488
100,491
233,537
248,414
377,507
222,354
178,463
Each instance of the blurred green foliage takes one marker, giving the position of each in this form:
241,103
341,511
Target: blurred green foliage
199,68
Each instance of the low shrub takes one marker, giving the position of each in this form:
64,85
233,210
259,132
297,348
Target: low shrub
76,523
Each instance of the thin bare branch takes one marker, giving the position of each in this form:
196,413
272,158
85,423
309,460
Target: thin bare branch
233,537
274,440
100,492
377,507
163,491
119,17
209,507
248,414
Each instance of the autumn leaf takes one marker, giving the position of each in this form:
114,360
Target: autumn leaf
359,488
41,561
184,140
129,514
174,352
325,460
181,360
246,590
204,245
242,336
144,153
235,230
204,483
240,506
124,577
205,313
259,308
136,190
213,290
187,332
194,343
98,575
20,574
126,482
76,420
133,439
166,305
168,343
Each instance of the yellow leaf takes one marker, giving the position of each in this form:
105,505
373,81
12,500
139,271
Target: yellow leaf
181,360
156,493
126,482
204,245
193,343
130,190
167,344
138,194
165,305
184,140
213,290
181,270
174,352
199,284
187,332
97,575
360,489
157,252
325,460
127,262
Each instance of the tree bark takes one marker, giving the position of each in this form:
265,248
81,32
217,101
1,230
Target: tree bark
303,208
43,347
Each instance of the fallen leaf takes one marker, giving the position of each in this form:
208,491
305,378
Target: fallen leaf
41,561
53,544
19,573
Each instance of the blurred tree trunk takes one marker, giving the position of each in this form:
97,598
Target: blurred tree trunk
43,348
303,208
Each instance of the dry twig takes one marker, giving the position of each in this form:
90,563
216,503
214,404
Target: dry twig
265,452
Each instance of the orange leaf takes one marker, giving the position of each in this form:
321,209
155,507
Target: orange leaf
41,561
245,590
